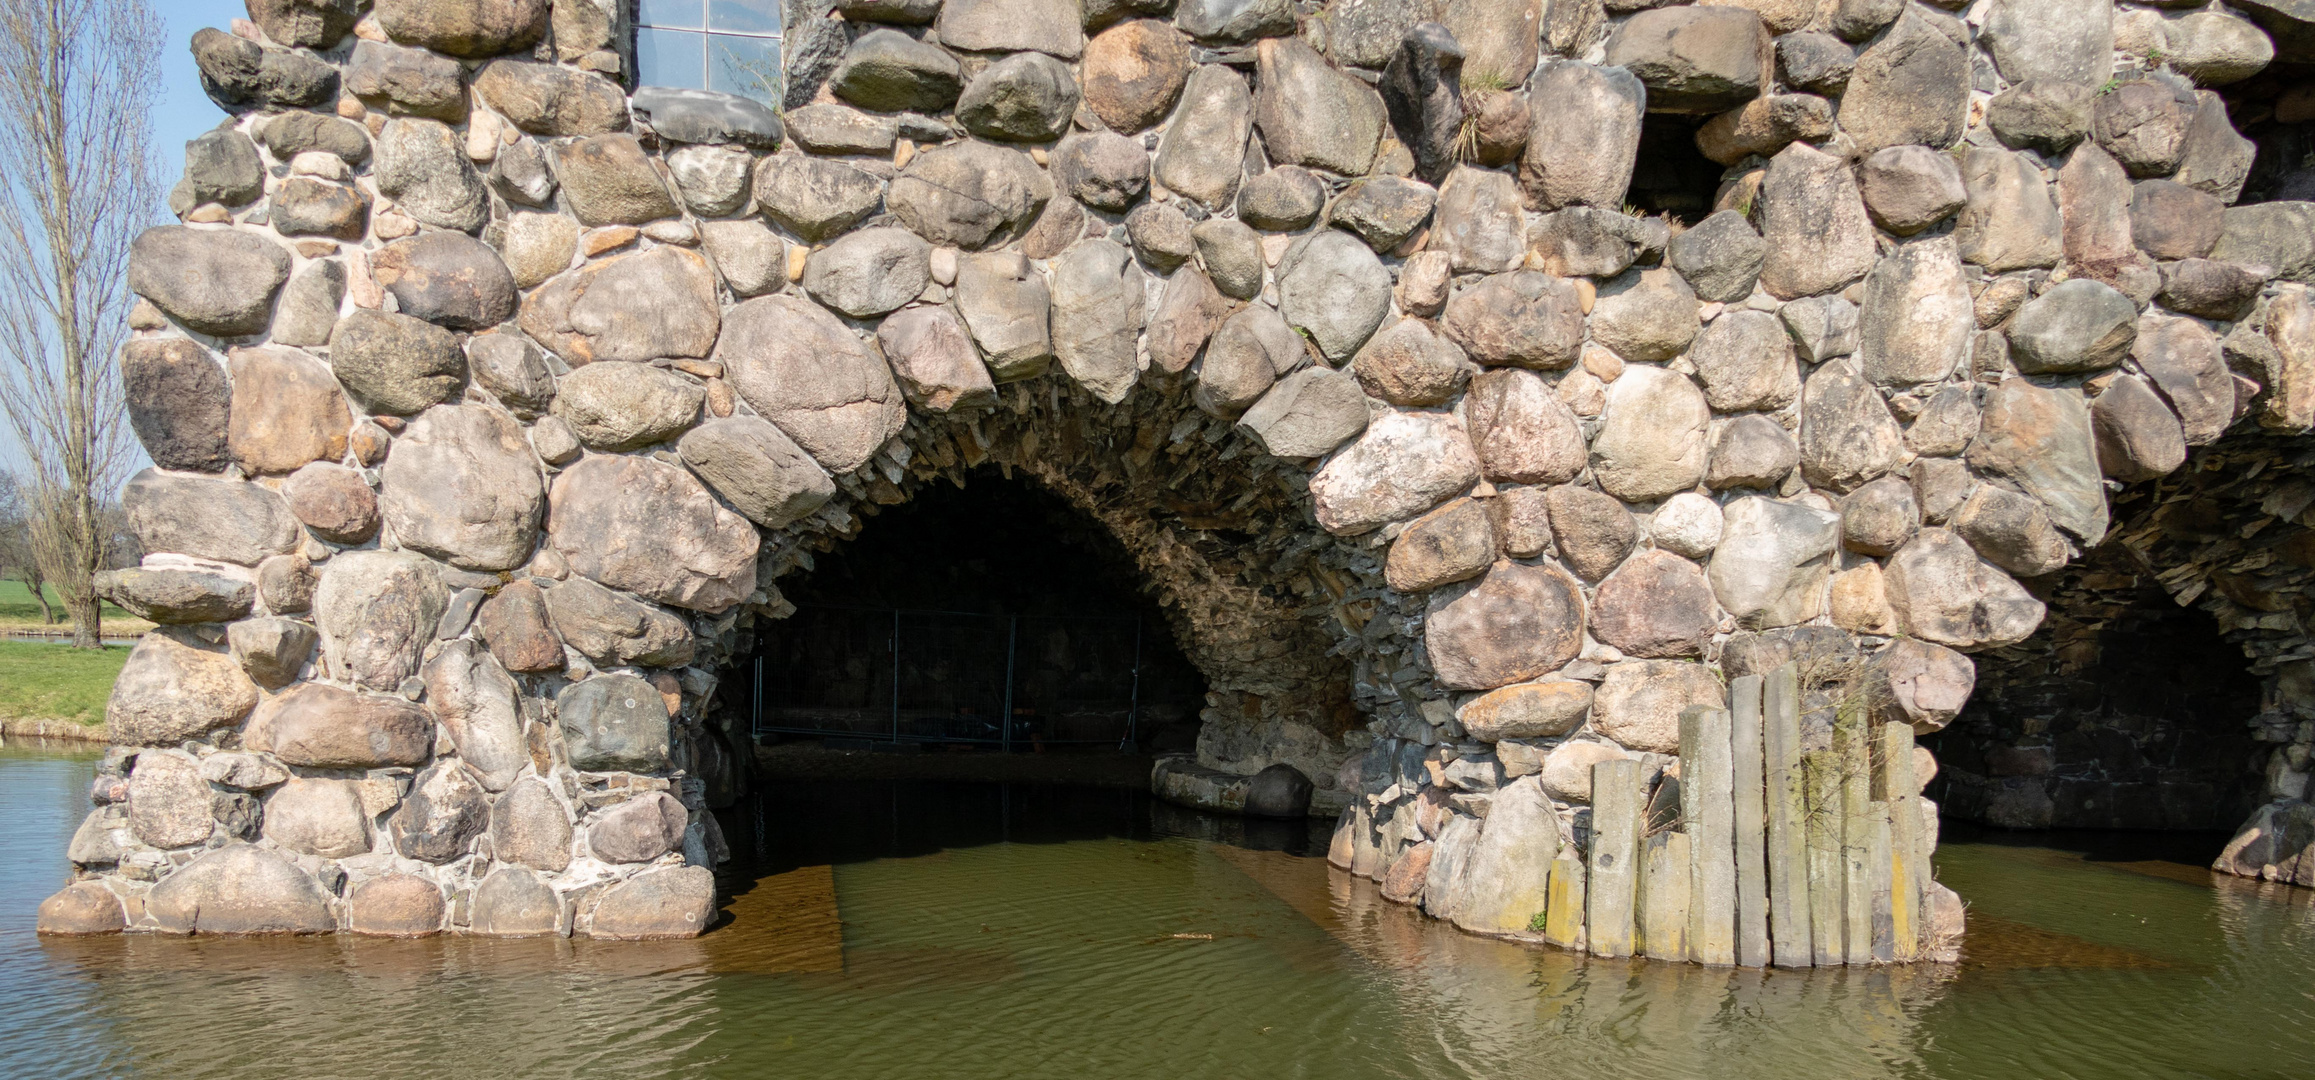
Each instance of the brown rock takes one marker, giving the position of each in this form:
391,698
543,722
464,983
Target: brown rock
1594,531
1523,432
239,889
287,411
333,501
1522,525
1523,319
315,725
1134,71
318,817
1537,710
514,624
178,401
83,907
173,687
638,830
1403,883
650,528
1656,604
1451,543
1639,703
169,800
1517,623
529,827
1409,363
1880,517
2138,437
670,903
515,903
395,905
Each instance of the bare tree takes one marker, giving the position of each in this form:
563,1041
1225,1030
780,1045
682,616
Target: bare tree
77,80
17,562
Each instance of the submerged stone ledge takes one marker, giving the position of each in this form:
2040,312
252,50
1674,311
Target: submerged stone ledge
491,397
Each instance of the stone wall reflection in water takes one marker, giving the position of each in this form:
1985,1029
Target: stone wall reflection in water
917,929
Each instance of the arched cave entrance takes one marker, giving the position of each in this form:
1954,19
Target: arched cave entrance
962,606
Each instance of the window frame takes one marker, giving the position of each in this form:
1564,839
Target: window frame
706,34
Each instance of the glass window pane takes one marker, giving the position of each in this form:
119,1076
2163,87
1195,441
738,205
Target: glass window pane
671,58
747,66
670,13
744,16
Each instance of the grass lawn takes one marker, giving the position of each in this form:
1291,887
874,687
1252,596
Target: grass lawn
57,682
18,611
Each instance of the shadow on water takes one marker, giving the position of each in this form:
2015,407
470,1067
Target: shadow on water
938,930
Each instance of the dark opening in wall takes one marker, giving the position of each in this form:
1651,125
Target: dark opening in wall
962,603
2276,111
2125,711
1669,175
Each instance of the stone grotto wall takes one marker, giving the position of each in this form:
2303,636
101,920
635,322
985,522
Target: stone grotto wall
490,398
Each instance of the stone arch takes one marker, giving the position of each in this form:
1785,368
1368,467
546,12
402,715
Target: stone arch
473,382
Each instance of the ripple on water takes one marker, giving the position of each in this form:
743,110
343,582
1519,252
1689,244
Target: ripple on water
1063,937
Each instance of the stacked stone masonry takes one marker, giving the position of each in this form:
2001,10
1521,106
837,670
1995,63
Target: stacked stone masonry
490,397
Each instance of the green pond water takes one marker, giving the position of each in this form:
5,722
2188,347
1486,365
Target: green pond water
922,931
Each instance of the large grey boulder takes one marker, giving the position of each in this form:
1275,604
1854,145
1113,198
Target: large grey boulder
613,723
2068,41
888,71
1720,257
2275,235
1880,517
1333,288
225,520
1909,188
407,82
758,469
272,650
1499,884
616,630
514,371
1249,352
751,258
1405,463
530,827
1097,315
446,278
674,902
1911,86
969,194
467,29
1651,442
832,128
317,817
1007,306
1160,235
2216,47
1516,623
813,378
1814,224
394,363
1752,451
1522,431
1640,702
640,306
1847,434
2078,326
316,725
1383,210
239,889
1522,319
304,24
1025,97
1133,73
445,810
376,611
221,166
2186,364
1231,252
707,117
1409,363
1773,560
1422,67
1203,151
462,486
170,801
1593,531
1479,223
813,197
1693,59
1927,684
216,281
1053,26
1821,327
609,180
309,307
175,595
2041,115
422,165
2169,220
650,528
1649,316
1944,594
239,74
1102,169
1583,135
1312,114
1744,358
870,272
1582,242
512,902
2215,157
1307,414
2011,531
638,830
178,401
1917,320
2010,221
2039,439
173,687
2144,123
1234,21
475,698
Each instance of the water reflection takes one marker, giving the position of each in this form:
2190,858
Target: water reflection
913,929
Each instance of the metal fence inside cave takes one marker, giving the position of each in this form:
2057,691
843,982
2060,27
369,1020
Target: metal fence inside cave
900,675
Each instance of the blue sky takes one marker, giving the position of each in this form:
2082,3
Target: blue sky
183,111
